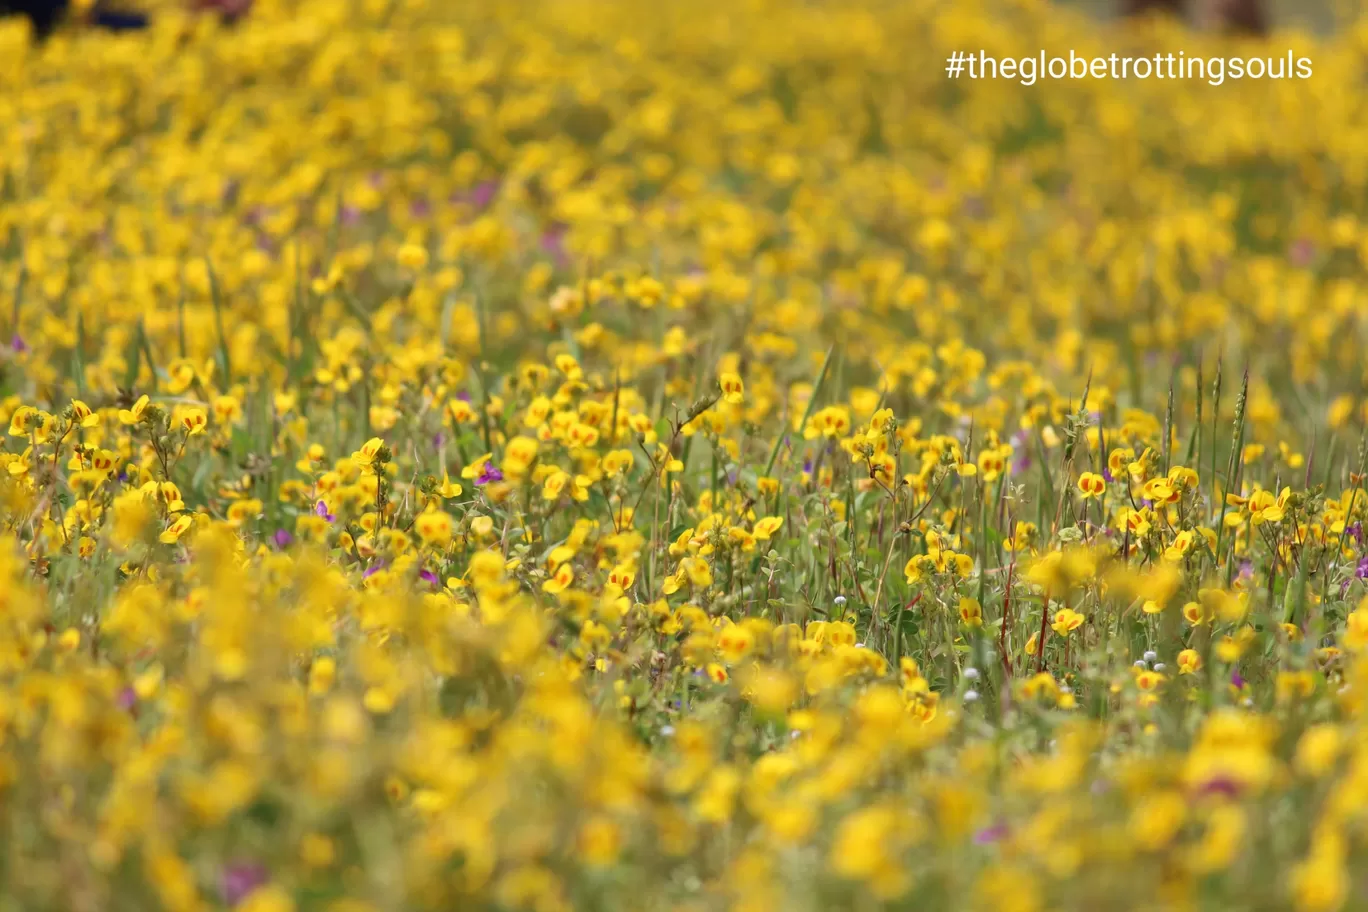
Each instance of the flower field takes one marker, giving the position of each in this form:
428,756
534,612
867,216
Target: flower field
578,454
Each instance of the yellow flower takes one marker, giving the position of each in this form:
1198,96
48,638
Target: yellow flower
561,580
970,612
461,411
1179,547
991,463
477,467
434,527
412,257
616,462
181,375
1319,749
1355,636
1160,491
1066,621
227,410
369,454
554,484
830,422
519,455
866,848
735,642
1118,460
766,527
1193,614
1321,882
1264,508
1146,679
733,390
243,511
194,421
127,416
178,528
1157,819
267,899
69,640
599,842
82,414
1091,485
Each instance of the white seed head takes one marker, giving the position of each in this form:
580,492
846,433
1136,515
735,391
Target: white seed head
970,696
1151,655
840,600
971,673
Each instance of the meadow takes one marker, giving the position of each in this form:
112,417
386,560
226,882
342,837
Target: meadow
686,456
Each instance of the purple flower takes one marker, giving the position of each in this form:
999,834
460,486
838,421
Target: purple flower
1219,785
438,439
807,465
463,395
350,215
1356,530
1360,572
483,193
989,835
552,243
1147,502
321,509
1022,462
1107,475
18,345
240,879
420,208
127,699
373,569
1302,253
1236,679
489,473
429,576
283,538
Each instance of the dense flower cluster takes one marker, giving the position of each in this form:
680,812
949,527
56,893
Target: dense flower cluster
682,456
